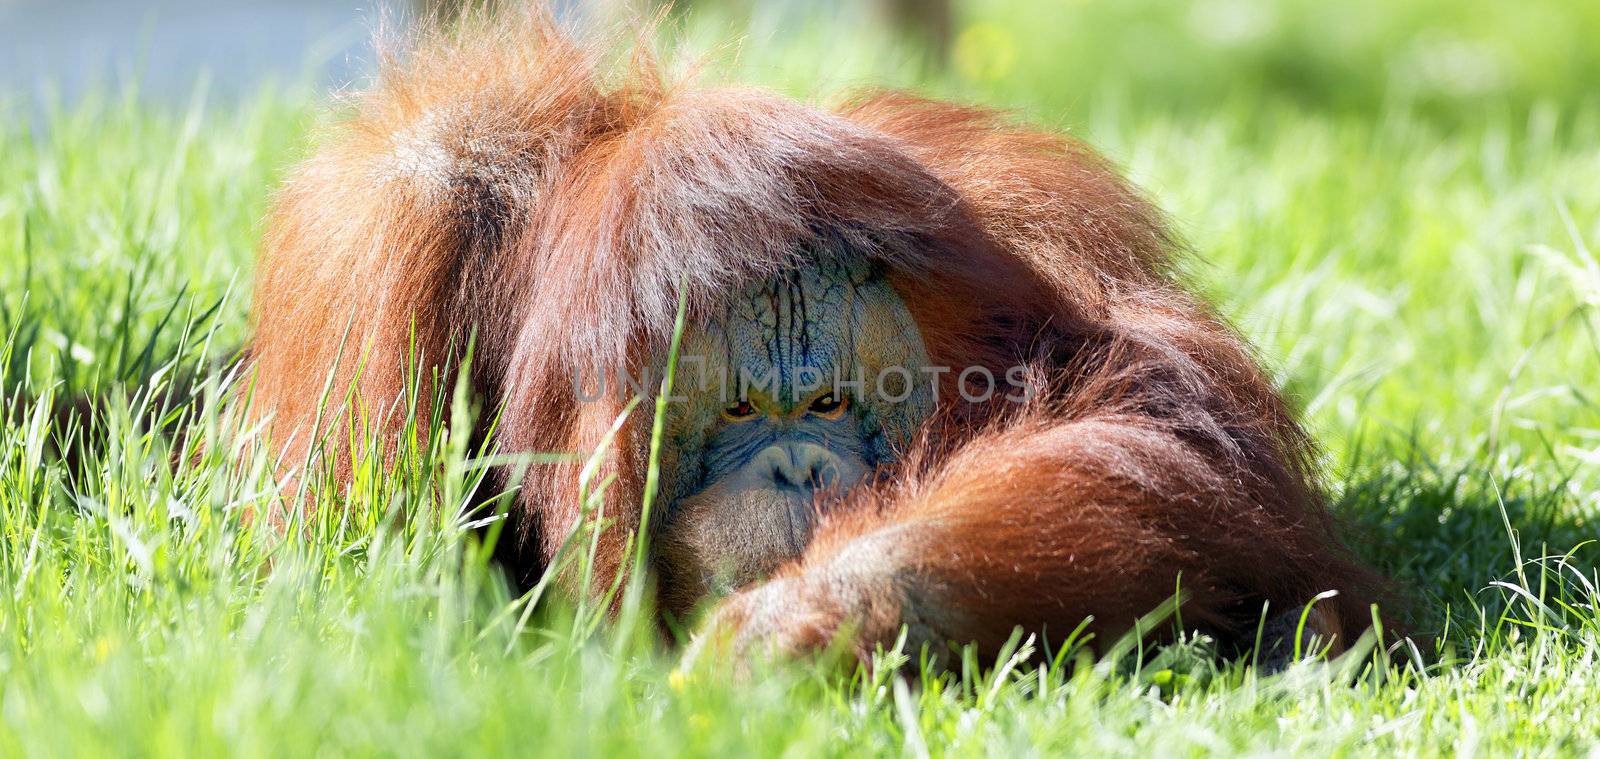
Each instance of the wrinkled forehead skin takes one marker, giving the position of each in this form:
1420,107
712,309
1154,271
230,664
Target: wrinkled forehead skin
784,334
790,336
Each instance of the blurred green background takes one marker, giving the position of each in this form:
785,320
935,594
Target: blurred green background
1459,62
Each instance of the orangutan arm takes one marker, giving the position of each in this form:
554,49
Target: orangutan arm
1043,525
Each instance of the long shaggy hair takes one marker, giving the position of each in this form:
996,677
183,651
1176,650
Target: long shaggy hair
504,182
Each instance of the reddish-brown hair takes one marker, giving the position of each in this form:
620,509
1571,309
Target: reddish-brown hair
503,183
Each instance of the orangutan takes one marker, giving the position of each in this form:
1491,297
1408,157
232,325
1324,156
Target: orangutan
936,373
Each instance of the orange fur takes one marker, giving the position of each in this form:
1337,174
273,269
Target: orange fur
503,183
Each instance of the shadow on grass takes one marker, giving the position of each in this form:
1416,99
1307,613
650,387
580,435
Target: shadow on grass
1461,541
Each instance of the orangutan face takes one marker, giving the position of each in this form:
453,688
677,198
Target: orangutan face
797,390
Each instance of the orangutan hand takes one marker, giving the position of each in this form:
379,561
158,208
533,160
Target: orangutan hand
838,608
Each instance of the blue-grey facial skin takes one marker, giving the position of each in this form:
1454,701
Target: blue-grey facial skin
774,424
796,452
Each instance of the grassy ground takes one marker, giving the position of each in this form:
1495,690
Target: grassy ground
1398,203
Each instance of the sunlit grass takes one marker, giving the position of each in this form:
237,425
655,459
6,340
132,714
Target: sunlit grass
1416,262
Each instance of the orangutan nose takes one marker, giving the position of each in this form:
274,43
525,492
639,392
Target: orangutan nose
806,467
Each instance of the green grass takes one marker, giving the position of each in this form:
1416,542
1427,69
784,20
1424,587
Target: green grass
1398,204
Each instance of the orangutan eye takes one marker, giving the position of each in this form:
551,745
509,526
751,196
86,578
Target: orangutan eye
830,406
743,411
